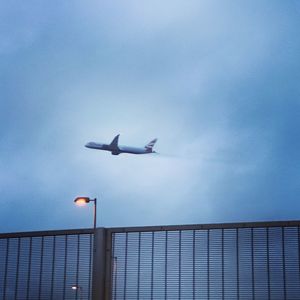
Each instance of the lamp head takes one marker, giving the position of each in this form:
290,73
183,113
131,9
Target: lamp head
81,201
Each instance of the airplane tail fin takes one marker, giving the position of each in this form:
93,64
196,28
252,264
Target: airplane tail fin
151,144
115,142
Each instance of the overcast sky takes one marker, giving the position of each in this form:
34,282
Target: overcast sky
217,82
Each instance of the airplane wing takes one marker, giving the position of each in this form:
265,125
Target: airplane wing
115,142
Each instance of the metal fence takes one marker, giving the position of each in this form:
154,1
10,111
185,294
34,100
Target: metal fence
45,265
257,261
222,261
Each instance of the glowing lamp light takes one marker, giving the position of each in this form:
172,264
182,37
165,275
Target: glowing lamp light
78,290
81,201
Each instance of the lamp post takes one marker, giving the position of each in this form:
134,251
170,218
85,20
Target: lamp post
98,251
81,201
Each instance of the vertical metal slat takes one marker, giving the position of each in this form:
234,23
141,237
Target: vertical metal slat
53,267
65,267
268,266
208,265
90,265
299,255
41,267
152,264
179,258
139,266
78,290
237,264
222,250
166,265
194,267
18,264
125,265
29,268
283,262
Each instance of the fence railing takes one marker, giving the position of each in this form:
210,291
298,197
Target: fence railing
46,265
214,261
258,260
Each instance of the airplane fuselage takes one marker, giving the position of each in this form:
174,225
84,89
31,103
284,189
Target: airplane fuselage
119,149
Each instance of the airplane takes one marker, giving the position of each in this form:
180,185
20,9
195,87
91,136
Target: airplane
116,149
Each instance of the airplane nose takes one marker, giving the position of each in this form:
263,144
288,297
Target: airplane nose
87,145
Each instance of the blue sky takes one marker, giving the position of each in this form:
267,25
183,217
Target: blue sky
217,82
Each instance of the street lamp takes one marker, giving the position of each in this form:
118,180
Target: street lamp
81,201
79,289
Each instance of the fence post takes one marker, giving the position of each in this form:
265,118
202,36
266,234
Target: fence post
98,281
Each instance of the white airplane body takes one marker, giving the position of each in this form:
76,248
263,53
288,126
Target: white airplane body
117,149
